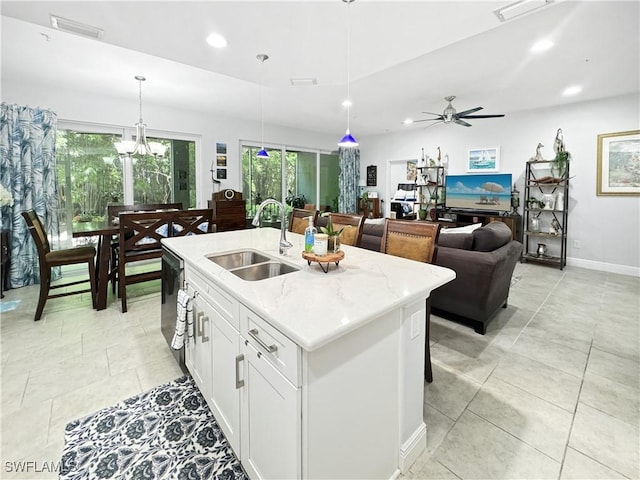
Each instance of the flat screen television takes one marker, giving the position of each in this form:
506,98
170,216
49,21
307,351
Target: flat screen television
490,192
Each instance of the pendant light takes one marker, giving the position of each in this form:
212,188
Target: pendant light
348,140
262,153
127,148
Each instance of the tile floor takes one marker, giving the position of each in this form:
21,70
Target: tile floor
551,391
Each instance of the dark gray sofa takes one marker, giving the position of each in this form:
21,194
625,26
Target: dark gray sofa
483,260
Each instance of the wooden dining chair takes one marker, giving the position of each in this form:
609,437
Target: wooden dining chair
192,222
139,240
298,220
416,241
352,225
48,259
113,210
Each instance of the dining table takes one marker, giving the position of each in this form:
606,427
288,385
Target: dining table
105,231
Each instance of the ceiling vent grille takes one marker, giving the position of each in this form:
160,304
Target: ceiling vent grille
303,82
78,28
519,8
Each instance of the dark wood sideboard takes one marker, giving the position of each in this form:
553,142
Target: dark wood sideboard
229,210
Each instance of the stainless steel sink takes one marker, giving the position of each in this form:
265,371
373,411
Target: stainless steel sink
251,265
241,258
264,270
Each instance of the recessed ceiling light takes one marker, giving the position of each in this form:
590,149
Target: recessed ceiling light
572,90
408,121
541,46
346,103
216,40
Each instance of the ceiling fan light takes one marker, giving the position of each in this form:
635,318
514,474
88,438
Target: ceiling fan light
262,153
348,141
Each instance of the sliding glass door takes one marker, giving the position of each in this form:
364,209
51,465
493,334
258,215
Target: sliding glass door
300,177
90,175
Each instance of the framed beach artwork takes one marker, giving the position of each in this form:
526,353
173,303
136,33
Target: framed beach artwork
618,163
483,160
412,171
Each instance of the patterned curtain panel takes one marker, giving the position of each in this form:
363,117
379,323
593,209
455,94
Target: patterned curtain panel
348,179
27,171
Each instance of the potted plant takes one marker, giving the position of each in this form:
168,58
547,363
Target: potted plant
296,201
333,244
559,164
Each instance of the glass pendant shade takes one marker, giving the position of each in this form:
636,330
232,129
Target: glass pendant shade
140,146
348,141
262,153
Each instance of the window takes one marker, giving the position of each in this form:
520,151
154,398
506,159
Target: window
310,177
90,174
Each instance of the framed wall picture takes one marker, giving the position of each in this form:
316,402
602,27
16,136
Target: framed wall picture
411,171
221,160
483,160
221,148
221,174
372,175
618,163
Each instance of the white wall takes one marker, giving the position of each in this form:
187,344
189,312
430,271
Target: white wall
608,228
94,108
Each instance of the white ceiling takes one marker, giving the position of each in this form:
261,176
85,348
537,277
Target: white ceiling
405,56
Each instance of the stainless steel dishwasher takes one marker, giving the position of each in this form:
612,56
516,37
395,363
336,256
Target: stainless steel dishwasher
172,281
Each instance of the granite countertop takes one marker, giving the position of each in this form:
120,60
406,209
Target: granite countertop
309,306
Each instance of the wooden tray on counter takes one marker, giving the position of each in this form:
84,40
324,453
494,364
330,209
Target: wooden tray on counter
320,259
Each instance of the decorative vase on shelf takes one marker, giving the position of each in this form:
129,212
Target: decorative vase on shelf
422,214
560,201
542,250
534,224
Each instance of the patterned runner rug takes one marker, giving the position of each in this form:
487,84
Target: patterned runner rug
165,433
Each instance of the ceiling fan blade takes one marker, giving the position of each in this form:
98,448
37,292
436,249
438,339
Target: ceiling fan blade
471,110
439,115
428,120
483,116
462,122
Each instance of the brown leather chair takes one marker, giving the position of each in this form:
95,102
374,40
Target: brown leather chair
298,220
415,241
49,259
352,225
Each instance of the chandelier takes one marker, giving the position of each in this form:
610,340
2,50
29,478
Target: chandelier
141,147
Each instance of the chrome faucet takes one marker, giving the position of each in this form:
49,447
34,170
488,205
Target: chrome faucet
284,243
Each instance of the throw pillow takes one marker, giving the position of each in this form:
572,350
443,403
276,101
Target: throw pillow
465,229
462,241
491,236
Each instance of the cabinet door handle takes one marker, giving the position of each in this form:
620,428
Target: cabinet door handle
239,383
199,316
205,339
269,348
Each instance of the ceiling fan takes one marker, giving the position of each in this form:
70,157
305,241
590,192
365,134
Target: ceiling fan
449,115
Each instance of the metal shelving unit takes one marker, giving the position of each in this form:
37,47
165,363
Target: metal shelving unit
548,243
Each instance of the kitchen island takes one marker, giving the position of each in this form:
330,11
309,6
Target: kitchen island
311,374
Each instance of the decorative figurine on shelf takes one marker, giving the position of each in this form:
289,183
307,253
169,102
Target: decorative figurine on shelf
446,161
439,158
538,157
422,162
558,144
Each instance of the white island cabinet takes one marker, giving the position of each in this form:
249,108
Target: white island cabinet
311,375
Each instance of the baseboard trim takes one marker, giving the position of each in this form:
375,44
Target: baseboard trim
604,267
413,448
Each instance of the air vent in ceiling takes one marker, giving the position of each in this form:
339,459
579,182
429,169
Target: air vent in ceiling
303,82
78,28
518,8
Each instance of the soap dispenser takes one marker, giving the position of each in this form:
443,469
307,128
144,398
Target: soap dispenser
309,236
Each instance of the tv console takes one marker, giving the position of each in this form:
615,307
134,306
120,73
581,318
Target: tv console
450,218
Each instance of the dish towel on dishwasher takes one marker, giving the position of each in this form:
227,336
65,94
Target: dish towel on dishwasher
184,321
